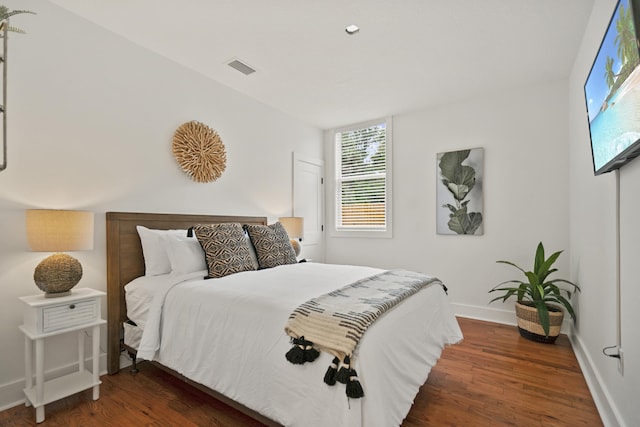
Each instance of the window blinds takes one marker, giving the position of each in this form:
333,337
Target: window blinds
362,178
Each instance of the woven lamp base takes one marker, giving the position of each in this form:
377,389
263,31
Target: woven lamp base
529,323
57,274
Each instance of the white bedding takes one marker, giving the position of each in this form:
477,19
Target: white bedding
141,292
132,335
228,334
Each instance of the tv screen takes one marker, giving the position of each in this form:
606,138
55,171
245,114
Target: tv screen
612,92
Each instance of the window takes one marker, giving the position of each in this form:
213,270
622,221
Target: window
363,179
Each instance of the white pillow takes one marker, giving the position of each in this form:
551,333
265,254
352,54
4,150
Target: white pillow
185,254
156,260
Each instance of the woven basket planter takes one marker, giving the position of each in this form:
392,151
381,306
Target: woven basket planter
530,327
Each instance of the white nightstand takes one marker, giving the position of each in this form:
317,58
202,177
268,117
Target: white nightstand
46,317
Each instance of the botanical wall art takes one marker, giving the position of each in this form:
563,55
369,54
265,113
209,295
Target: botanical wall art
459,192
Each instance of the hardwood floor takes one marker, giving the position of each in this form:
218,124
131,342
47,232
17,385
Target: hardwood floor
493,378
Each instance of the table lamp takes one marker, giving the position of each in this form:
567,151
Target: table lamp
58,231
294,225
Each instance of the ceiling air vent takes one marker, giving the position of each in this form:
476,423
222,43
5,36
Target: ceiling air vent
242,67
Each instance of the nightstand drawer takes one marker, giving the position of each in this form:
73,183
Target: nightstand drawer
68,315
52,315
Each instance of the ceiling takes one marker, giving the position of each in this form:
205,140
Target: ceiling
408,54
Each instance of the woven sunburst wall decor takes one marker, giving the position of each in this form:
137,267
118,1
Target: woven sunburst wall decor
199,151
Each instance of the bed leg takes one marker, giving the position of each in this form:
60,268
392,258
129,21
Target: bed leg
134,367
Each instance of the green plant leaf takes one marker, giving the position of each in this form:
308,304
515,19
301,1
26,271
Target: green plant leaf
475,220
576,287
567,305
465,175
458,223
517,282
508,289
552,289
522,291
464,223
458,178
459,191
539,257
506,296
513,265
544,268
533,278
452,208
450,162
543,313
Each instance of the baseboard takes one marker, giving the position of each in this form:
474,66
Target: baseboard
497,315
11,394
601,397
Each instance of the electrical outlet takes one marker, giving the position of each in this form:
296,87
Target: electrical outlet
620,361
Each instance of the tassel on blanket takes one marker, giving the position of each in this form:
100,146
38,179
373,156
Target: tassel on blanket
296,354
301,352
343,373
330,376
310,353
354,388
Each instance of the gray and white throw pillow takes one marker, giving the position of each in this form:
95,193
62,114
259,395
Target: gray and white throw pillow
272,245
225,247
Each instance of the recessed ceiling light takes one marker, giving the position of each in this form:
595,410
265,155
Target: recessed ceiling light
352,29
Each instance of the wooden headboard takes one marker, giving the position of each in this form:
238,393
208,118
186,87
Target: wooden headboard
125,262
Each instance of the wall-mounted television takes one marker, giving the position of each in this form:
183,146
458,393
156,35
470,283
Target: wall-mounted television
612,91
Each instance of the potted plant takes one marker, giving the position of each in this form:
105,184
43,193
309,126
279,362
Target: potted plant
540,303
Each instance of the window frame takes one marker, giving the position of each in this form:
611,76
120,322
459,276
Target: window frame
363,231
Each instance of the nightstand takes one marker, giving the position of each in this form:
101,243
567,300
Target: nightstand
47,317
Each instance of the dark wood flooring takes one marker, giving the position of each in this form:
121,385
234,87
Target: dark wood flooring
493,378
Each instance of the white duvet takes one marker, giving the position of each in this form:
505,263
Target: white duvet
228,334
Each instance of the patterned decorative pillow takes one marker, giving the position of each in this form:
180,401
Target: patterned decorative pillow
225,247
272,244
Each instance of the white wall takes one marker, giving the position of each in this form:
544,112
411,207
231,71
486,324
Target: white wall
526,194
592,243
91,118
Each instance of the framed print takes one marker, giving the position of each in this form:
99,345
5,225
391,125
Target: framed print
459,192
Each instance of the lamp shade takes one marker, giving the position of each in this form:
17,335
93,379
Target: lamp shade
294,225
59,230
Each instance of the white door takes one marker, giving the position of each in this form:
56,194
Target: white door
308,202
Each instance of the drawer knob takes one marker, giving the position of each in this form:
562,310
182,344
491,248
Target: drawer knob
72,306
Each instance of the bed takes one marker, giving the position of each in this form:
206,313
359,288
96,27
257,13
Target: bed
226,335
